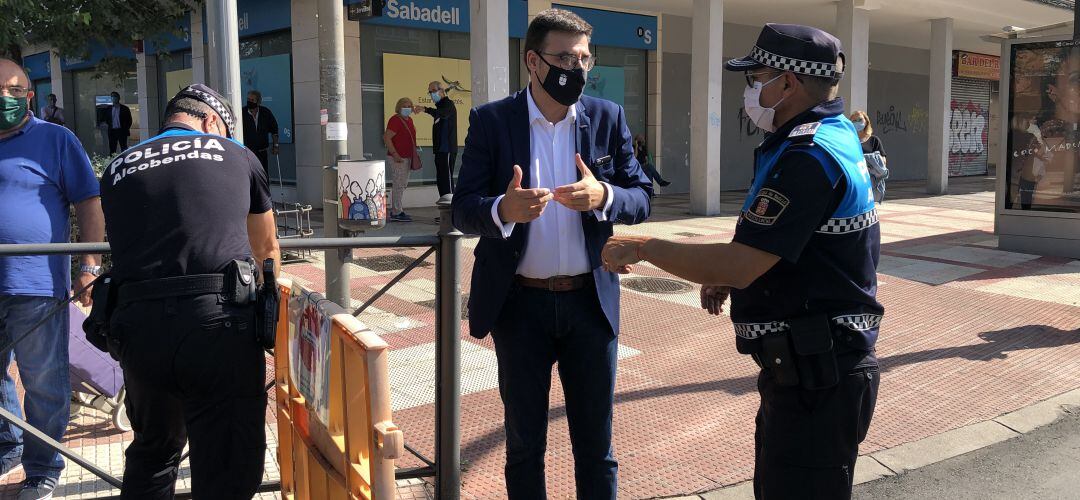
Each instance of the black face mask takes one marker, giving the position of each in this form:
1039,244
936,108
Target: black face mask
252,104
563,85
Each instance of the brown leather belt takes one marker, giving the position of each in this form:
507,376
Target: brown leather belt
556,283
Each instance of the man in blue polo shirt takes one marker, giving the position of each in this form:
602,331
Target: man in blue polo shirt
43,170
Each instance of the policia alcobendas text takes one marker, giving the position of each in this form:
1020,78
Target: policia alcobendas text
188,215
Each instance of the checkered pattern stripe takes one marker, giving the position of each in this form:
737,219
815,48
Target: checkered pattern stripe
784,63
850,224
751,331
218,107
859,322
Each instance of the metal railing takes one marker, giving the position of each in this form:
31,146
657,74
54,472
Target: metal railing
445,468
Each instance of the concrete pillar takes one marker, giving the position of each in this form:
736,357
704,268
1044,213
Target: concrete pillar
706,65
307,131
655,103
535,7
853,30
941,38
198,48
56,75
488,51
354,103
146,75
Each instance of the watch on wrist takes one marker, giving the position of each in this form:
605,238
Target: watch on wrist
95,270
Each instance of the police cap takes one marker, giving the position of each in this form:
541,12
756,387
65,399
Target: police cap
792,47
210,97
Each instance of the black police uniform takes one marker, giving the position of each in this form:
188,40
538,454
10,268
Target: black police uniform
177,206
811,205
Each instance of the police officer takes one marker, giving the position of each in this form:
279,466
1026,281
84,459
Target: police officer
184,211
800,268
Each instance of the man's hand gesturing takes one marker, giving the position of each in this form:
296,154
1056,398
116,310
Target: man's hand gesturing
584,195
522,205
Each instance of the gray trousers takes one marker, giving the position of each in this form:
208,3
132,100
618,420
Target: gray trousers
399,178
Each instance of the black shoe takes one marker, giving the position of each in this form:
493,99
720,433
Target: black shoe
664,183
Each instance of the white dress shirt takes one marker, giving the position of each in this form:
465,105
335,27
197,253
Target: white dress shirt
556,241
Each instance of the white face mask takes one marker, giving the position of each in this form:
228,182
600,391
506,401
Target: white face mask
859,125
761,116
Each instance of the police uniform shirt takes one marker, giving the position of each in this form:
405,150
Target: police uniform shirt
178,203
820,220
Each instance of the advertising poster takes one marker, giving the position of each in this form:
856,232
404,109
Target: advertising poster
606,82
175,81
409,76
309,350
1044,143
272,76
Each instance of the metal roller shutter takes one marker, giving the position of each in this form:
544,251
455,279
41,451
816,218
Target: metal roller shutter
969,124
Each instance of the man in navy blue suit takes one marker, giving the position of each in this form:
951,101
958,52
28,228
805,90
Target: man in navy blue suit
544,175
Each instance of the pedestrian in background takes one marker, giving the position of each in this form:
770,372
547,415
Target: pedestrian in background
118,119
873,151
43,171
400,140
51,112
259,123
444,135
641,152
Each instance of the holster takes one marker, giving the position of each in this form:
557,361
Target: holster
266,307
777,357
812,341
96,324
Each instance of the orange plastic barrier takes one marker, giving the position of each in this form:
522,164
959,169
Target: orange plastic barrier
352,455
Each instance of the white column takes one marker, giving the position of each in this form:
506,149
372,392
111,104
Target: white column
56,75
655,101
354,103
706,64
198,48
853,30
307,132
489,51
146,76
941,38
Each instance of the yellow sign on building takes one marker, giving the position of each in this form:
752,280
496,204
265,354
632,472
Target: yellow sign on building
409,76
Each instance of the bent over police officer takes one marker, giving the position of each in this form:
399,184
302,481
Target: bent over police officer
801,268
188,213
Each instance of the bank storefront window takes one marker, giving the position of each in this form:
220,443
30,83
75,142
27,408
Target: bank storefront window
1044,141
621,75
90,125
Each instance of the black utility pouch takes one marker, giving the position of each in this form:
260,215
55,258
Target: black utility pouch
812,339
776,356
240,286
96,324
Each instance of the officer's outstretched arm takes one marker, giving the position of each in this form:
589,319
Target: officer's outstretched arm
262,233
728,264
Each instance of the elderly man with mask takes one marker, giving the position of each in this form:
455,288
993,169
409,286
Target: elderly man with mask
800,268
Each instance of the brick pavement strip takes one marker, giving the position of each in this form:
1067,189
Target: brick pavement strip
970,342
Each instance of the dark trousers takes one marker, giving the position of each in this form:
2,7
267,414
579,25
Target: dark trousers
536,329
444,172
264,159
195,374
807,440
118,137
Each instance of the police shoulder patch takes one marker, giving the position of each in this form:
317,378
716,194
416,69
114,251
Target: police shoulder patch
805,129
767,207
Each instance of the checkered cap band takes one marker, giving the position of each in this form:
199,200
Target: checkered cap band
850,224
859,322
812,68
211,100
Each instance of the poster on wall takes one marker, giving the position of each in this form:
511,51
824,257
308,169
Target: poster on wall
175,81
1043,152
607,82
409,76
272,76
309,350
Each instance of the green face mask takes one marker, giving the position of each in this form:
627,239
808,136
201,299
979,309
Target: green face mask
12,111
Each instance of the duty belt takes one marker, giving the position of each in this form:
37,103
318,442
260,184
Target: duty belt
857,322
177,286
